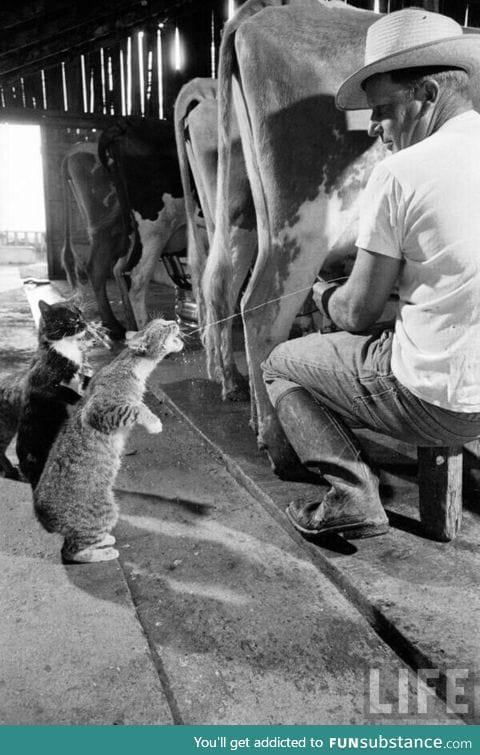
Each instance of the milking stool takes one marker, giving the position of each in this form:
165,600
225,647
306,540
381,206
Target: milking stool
440,490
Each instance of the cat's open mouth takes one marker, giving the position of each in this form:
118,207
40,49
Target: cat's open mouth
174,343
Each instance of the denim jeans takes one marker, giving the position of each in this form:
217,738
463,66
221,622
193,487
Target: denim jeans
351,375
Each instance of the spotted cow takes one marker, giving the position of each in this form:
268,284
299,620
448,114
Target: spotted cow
98,203
280,66
142,159
196,129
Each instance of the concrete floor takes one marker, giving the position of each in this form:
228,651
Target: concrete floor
217,612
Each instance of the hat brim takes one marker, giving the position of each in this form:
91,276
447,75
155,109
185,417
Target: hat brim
458,52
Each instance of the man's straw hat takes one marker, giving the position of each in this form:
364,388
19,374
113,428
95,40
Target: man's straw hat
406,39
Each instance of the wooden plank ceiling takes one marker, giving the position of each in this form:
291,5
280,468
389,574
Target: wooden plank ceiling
36,34
78,60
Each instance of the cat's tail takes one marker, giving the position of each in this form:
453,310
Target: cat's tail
43,511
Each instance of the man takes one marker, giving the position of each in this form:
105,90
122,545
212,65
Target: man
419,229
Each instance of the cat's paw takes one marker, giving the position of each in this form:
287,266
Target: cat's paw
107,540
154,426
91,555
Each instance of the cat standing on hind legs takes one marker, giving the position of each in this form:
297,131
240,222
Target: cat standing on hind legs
74,495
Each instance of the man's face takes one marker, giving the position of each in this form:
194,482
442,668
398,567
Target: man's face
396,112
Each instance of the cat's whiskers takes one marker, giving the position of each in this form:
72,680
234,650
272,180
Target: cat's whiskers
99,333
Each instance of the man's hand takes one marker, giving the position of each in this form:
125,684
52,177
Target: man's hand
359,303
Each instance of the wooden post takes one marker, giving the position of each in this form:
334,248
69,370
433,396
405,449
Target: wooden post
33,91
73,75
54,88
136,109
115,94
440,491
152,104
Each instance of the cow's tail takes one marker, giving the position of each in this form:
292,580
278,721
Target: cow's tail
69,262
218,277
191,94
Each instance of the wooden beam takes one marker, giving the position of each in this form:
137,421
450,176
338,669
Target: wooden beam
14,14
60,119
55,118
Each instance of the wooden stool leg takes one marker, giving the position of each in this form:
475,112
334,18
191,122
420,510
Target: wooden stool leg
440,491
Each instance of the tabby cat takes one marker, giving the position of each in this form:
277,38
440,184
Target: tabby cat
74,496
55,380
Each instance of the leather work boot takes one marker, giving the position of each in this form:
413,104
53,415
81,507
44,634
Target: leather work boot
327,447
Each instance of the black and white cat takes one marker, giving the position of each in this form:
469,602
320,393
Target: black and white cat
55,380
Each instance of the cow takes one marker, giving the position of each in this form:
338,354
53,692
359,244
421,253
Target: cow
280,66
196,131
98,203
142,160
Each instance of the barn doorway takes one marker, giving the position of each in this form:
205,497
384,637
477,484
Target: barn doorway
22,201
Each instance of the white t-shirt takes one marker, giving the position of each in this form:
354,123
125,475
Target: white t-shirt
422,205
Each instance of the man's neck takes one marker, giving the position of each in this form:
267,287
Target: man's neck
447,109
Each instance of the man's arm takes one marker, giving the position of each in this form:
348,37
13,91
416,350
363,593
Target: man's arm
359,303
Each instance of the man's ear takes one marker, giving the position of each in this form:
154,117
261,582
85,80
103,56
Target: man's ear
431,89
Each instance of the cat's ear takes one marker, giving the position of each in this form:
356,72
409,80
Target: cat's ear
43,306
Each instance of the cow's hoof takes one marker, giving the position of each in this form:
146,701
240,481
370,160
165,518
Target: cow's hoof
235,386
11,474
237,393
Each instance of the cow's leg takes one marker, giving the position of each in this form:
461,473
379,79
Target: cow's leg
266,325
99,269
119,274
243,246
225,274
153,244
154,237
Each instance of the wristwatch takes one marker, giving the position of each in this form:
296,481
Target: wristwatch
325,298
